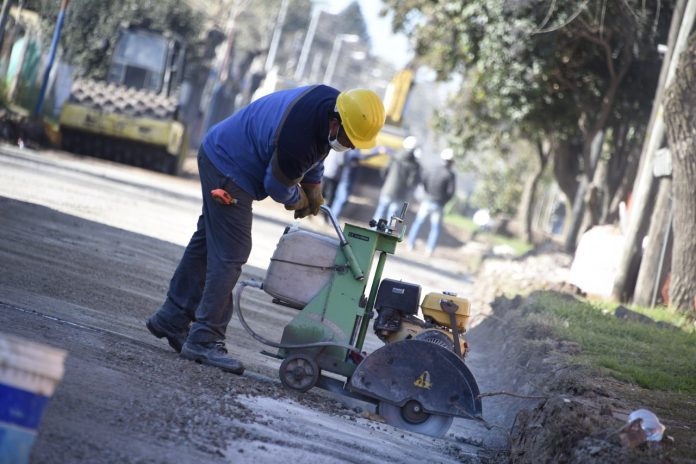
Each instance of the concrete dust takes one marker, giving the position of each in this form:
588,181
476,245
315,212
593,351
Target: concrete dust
299,435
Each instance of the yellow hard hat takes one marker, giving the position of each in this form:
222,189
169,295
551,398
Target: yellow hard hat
362,116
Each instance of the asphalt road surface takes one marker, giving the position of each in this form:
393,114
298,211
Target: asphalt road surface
87,249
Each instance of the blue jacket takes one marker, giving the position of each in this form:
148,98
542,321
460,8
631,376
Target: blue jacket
272,144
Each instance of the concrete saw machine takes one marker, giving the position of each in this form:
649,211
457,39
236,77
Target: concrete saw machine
418,380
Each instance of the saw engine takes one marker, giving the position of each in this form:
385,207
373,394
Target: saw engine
443,322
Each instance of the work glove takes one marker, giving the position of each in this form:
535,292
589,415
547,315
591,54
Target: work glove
314,196
301,206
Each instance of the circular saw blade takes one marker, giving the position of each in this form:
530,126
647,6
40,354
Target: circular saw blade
435,425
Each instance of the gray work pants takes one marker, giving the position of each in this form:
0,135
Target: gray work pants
201,289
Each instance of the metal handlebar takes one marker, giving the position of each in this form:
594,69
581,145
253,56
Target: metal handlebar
345,246
334,222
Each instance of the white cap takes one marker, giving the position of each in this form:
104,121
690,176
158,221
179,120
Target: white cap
447,154
410,142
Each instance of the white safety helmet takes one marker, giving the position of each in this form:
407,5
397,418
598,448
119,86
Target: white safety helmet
447,154
410,142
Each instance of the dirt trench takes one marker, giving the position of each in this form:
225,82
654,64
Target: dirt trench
580,411
578,415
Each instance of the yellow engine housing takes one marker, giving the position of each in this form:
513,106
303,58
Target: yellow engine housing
431,310
410,329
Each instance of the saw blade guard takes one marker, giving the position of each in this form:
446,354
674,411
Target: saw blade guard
415,370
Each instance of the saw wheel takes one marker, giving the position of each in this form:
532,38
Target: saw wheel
299,372
411,417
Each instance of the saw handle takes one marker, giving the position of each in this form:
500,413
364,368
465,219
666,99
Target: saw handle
352,262
345,246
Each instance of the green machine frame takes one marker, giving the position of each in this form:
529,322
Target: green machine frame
340,313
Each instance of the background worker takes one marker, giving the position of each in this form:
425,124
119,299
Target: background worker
346,179
272,147
349,170
401,176
439,185
332,175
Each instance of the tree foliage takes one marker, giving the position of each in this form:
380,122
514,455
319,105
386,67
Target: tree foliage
256,24
501,179
542,69
352,21
91,26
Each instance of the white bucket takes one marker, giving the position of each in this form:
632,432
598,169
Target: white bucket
29,373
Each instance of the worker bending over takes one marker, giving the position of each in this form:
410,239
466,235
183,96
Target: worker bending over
273,147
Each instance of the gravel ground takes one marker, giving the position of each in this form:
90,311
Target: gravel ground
87,249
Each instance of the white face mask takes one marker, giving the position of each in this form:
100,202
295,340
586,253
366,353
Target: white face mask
336,145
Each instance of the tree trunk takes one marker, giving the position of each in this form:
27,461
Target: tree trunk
623,187
585,193
566,168
645,185
597,203
594,139
524,213
622,169
593,125
680,120
4,15
524,216
654,265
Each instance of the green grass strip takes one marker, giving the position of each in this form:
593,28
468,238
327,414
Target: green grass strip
651,357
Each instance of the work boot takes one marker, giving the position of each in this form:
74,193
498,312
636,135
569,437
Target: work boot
176,338
213,353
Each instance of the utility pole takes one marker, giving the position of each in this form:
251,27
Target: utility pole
645,184
652,266
51,57
273,49
309,38
4,14
655,261
335,51
223,71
